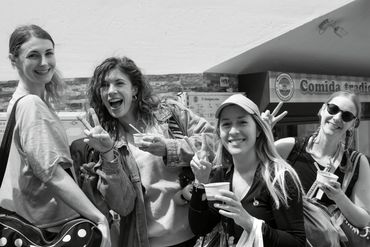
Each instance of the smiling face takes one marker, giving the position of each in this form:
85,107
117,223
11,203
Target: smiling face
334,124
238,130
35,62
117,92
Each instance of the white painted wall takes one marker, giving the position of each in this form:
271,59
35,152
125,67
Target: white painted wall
162,36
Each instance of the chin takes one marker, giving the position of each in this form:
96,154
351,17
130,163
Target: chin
234,151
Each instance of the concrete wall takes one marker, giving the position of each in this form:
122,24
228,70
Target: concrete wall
168,84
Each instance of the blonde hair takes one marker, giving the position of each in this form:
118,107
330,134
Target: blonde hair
274,168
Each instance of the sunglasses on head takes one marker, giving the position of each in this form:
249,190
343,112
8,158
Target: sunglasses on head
334,109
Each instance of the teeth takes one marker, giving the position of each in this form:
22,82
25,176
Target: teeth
42,71
236,141
114,100
115,103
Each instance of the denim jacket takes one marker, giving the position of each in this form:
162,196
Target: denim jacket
130,206
133,224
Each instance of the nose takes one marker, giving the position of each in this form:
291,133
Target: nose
338,116
111,88
43,60
233,129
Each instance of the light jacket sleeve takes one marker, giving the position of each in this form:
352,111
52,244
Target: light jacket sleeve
179,153
116,187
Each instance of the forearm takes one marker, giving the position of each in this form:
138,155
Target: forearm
116,188
353,213
68,191
201,217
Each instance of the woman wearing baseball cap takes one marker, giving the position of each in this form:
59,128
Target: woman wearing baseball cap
265,197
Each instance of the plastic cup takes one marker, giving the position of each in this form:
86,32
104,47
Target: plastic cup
213,189
202,155
138,139
325,177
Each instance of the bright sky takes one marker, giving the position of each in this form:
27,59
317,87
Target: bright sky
162,36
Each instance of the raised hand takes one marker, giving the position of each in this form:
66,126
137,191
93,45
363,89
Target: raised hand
201,169
96,136
333,190
271,118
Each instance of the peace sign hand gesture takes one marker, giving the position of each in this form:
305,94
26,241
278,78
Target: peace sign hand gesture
97,137
271,118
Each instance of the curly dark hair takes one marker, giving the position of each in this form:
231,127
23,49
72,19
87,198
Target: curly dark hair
146,101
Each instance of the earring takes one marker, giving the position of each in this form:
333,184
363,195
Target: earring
350,132
134,97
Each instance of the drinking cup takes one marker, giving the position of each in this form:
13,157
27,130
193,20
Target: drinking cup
326,177
213,189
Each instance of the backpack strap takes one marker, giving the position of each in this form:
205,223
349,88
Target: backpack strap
7,141
299,145
355,160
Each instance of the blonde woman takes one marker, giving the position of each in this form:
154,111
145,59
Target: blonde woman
265,192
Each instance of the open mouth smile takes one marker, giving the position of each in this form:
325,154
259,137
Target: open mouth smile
115,103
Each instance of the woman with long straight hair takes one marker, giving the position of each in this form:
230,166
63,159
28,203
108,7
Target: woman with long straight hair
265,192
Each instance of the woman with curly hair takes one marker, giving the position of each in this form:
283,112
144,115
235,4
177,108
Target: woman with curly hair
124,101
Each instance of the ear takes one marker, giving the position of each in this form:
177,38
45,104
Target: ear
134,90
357,123
258,133
12,59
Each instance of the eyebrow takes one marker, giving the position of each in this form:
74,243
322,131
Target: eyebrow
239,118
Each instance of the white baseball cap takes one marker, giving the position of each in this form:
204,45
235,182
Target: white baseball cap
239,100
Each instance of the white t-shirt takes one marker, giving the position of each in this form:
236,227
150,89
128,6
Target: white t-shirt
39,145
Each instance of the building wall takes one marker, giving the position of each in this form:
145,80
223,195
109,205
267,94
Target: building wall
170,84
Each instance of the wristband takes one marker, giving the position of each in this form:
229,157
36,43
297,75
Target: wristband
198,186
107,150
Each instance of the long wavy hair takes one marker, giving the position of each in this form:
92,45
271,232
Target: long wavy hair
349,133
22,34
146,100
274,168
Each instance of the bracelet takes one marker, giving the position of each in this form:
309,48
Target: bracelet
107,150
198,186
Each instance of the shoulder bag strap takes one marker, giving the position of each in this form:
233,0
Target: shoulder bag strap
7,141
355,159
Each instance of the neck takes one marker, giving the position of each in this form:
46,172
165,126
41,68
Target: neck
32,89
130,118
325,145
245,163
